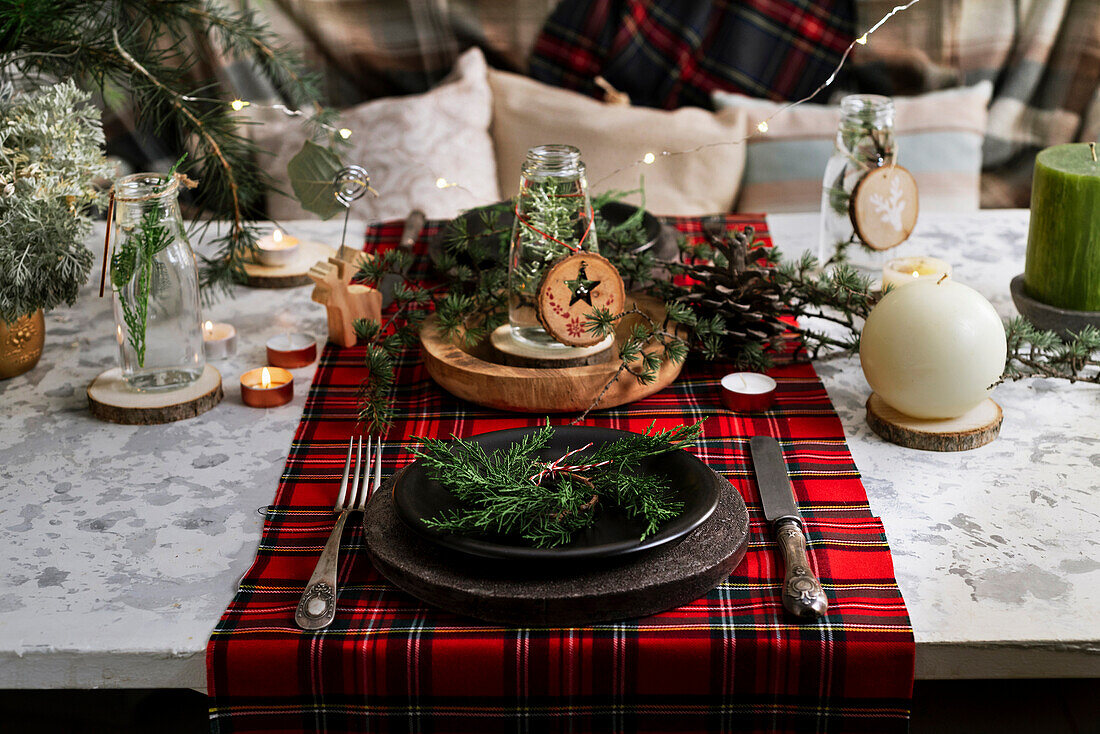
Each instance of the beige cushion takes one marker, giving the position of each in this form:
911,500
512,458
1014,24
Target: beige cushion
939,138
406,144
527,113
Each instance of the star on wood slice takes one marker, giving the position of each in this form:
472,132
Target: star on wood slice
572,288
344,301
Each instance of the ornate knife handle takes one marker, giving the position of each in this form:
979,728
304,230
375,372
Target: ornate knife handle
317,606
802,592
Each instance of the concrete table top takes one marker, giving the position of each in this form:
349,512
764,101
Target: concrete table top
124,544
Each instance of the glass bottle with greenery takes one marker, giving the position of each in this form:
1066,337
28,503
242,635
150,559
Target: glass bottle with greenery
553,218
864,141
158,320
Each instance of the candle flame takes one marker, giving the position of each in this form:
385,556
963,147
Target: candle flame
208,327
916,274
265,379
277,235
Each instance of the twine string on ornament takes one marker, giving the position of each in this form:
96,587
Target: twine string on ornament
558,466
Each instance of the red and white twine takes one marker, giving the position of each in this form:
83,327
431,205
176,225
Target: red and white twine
557,466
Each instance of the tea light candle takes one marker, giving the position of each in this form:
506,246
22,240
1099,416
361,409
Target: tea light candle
220,340
748,392
267,387
291,351
277,249
932,349
904,270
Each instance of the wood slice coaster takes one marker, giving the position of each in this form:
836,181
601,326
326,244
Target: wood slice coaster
884,207
974,428
291,275
527,594
111,400
518,354
475,378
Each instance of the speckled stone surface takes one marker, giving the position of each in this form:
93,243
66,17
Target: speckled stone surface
123,544
996,549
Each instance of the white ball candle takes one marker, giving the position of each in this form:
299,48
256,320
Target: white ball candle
933,349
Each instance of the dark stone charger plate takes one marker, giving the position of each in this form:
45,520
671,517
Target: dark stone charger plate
526,593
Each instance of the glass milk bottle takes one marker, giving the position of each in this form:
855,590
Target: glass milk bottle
158,320
864,141
553,219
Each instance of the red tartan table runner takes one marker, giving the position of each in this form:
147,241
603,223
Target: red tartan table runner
730,661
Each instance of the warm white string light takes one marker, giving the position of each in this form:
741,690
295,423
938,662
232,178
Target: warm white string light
762,126
649,158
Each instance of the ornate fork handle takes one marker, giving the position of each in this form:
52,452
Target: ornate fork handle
317,606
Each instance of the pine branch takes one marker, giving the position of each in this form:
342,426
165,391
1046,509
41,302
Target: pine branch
140,49
1036,353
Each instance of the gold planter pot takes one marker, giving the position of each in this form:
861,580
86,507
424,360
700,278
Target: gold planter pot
21,344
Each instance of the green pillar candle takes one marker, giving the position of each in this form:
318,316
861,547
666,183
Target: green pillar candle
1063,244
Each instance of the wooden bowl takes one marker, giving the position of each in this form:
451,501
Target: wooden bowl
470,375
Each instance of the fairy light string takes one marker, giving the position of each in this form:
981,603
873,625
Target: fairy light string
761,127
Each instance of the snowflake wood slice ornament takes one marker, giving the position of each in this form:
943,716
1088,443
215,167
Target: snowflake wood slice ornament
884,207
574,287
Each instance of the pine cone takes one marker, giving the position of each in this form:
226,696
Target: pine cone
739,290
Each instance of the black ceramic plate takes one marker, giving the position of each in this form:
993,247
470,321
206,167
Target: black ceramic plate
417,498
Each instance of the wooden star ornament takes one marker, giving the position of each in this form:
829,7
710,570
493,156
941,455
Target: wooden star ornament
572,288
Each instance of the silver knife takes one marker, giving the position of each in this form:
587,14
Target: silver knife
802,592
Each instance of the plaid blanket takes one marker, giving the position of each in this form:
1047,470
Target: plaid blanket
730,661
672,53
1043,57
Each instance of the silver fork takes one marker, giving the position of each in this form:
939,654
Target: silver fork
317,606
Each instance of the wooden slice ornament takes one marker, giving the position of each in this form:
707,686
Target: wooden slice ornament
110,399
884,207
574,287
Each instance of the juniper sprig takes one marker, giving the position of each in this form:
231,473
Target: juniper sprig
499,494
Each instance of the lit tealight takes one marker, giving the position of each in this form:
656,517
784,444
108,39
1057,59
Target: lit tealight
904,270
219,340
267,387
277,249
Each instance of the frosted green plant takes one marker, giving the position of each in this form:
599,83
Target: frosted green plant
51,153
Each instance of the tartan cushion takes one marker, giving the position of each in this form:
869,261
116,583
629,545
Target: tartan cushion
730,661
672,53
